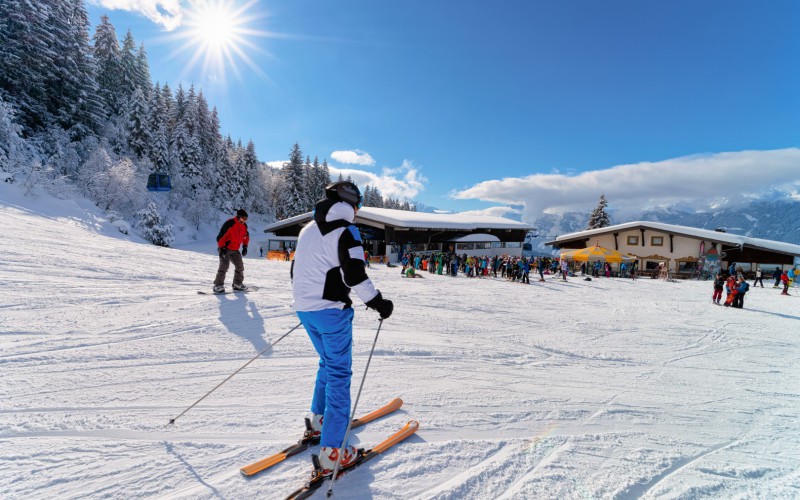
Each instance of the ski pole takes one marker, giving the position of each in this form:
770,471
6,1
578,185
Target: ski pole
172,421
353,415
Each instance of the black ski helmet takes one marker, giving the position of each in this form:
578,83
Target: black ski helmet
344,191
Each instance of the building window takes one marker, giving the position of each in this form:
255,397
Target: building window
497,244
657,241
513,244
633,240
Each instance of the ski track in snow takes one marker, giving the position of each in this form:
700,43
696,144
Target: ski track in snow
601,389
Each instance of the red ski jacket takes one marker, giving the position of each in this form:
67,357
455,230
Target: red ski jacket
233,235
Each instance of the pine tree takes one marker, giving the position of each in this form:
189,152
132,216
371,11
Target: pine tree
25,61
13,149
158,149
599,217
294,198
129,76
178,108
109,65
153,227
143,72
166,95
204,131
250,168
326,175
139,131
72,92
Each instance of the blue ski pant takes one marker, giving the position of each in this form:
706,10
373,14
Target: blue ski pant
331,332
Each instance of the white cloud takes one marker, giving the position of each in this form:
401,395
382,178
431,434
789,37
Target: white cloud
356,157
722,178
493,211
167,13
403,182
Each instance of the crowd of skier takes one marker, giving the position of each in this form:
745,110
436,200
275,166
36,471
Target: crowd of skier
518,269
736,286
512,268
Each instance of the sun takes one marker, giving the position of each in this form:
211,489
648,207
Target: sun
220,36
215,26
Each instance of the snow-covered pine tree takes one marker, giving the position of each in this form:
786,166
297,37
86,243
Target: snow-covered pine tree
190,112
139,130
129,77
158,148
13,149
109,66
326,175
340,178
178,108
143,72
177,145
293,197
203,127
166,94
367,195
377,199
310,184
153,227
72,92
599,217
25,61
318,184
250,166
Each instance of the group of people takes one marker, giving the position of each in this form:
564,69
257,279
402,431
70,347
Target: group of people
736,286
512,268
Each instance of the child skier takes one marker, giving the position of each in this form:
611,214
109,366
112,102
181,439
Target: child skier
719,283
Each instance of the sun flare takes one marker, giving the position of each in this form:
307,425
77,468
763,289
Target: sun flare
220,36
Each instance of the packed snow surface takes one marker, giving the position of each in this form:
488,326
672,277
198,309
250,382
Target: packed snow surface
585,389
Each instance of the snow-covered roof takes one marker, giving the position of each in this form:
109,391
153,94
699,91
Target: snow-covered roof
417,220
482,237
703,234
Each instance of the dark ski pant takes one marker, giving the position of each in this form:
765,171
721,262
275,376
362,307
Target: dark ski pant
757,281
738,300
225,262
331,332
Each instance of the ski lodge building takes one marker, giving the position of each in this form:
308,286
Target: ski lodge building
390,233
685,249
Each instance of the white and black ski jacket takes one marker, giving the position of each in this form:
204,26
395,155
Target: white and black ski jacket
329,261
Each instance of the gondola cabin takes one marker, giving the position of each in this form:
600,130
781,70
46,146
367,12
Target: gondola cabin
159,182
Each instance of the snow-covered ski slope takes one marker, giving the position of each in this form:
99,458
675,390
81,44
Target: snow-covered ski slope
601,389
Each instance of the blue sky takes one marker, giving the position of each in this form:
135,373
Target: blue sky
458,103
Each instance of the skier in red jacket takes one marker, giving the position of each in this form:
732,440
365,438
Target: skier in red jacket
232,235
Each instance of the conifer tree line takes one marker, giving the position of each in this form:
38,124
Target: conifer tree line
303,185
79,113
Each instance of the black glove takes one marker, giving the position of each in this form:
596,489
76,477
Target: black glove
223,252
383,306
244,250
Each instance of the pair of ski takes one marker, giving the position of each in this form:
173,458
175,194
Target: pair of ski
317,479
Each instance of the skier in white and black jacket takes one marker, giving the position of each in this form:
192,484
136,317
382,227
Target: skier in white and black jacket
328,263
